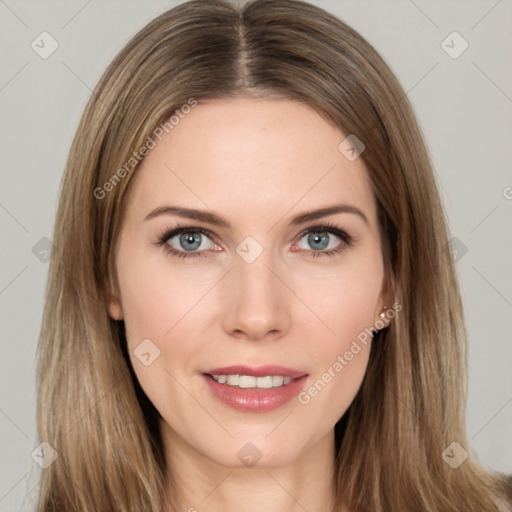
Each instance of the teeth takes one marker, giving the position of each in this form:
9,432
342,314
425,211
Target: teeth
248,381
233,380
264,382
277,380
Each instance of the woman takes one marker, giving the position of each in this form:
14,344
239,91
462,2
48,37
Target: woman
251,290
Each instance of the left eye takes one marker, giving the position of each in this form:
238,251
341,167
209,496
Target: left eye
320,240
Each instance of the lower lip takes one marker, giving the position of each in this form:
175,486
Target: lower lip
255,399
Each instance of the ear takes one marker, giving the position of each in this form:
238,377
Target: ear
385,302
115,309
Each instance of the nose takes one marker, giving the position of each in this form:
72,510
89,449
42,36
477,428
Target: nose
258,302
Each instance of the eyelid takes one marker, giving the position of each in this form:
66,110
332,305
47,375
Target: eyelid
320,227
167,234
347,240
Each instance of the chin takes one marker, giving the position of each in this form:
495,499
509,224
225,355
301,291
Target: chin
257,452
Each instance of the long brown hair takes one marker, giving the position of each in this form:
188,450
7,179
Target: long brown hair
410,407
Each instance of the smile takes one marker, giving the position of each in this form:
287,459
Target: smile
249,381
249,389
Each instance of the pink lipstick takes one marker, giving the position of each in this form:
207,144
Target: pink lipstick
255,389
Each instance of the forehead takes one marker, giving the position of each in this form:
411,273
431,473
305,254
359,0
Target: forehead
250,158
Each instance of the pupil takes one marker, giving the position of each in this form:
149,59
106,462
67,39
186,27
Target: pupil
318,241
192,239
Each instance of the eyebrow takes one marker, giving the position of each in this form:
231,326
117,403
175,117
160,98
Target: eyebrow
217,220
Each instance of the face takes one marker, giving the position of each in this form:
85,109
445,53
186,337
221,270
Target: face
235,274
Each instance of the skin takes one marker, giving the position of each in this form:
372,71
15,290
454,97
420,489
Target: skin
257,163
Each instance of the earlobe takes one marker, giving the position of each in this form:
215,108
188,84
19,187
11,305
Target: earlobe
384,318
114,308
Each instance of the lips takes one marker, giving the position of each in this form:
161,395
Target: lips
254,399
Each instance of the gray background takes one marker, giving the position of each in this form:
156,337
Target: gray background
464,105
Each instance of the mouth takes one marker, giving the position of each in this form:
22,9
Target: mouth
251,389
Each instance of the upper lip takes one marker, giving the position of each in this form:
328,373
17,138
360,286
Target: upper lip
259,371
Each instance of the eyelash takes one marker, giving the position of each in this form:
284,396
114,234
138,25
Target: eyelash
163,238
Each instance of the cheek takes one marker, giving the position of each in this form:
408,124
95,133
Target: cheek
344,297
161,302
340,360
157,294
345,301
165,303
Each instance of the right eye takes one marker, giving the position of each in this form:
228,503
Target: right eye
187,242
